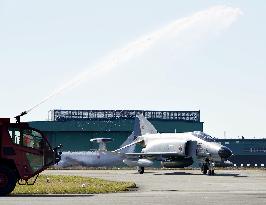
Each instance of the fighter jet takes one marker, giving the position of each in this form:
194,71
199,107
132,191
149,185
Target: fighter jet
97,158
175,150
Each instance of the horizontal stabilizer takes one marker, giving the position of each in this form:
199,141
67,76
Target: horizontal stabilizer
126,146
99,140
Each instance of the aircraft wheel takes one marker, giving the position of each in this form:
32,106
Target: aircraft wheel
212,172
140,170
8,180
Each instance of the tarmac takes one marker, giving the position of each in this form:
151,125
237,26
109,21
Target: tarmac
163,187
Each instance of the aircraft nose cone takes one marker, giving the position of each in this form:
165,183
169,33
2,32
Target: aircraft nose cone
224,152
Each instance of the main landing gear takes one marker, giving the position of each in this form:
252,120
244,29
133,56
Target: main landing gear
207,168
140,170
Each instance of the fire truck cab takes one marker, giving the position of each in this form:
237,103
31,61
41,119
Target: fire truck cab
24,153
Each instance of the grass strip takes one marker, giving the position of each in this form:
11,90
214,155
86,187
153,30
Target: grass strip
58,184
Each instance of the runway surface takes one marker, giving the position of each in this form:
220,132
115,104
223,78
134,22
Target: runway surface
163,187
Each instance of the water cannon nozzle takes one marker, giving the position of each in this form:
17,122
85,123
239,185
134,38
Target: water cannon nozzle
18,116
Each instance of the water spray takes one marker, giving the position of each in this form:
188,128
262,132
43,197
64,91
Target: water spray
216,18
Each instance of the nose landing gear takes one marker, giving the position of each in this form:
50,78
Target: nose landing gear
207,167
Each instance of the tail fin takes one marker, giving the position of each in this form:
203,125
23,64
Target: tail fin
143,126
129,140
136,132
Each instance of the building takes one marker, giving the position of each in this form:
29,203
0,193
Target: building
246,152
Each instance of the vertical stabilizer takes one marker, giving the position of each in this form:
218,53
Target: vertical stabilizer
144,126
141,127
129,140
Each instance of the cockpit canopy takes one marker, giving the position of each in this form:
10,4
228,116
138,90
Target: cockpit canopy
203,136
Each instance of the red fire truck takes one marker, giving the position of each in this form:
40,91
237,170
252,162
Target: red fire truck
24,153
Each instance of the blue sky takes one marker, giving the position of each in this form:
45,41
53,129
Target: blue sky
44,44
